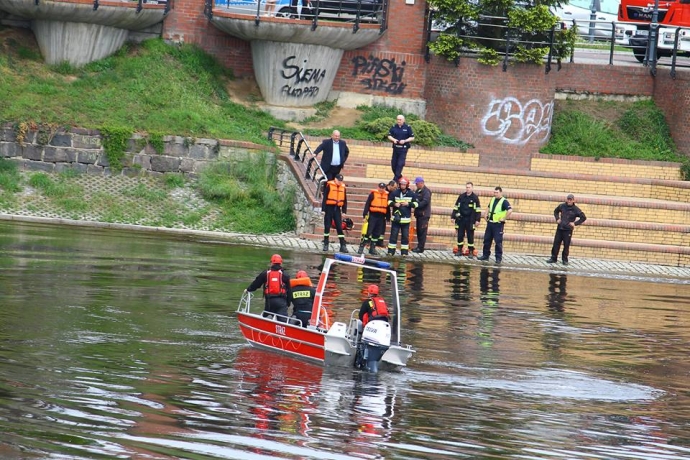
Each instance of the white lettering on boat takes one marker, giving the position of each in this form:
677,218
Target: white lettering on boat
280,330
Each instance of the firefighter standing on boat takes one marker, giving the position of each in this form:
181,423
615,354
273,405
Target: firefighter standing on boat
276,285
334,205
302,295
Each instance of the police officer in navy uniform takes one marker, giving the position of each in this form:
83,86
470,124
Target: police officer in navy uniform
276,288
302,295
496,216
400,135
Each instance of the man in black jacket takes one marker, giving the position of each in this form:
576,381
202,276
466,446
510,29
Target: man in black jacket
335,153
422,213
567,216
276,287
467,215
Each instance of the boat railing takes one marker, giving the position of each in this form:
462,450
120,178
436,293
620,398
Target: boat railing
245,302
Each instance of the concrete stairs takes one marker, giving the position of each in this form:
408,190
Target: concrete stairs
636,211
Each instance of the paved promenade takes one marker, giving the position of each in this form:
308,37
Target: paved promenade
583,267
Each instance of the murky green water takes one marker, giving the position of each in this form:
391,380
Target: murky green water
117,345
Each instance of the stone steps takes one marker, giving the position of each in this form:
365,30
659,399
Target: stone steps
641,215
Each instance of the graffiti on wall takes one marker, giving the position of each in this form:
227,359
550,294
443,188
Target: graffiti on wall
300,81
511,122
381,74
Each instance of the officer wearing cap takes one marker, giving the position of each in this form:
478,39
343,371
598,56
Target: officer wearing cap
378,211
422,213
567,216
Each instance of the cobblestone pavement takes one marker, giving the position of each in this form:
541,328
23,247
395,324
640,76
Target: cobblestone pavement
577,266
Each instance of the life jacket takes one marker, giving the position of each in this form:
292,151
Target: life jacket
379,203
378,308
274,284
336,194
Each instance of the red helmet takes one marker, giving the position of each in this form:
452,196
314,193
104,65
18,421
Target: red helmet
276,259
373,289
302,274
403,180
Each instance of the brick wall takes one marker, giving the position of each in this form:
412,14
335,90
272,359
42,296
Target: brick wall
672,95
506,115
604,79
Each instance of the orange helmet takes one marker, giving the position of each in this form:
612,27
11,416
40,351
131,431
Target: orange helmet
302,274
276,259
403,180
373,289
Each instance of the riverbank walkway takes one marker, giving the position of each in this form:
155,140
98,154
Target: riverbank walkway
290,241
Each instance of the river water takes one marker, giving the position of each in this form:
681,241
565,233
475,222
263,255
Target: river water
120,345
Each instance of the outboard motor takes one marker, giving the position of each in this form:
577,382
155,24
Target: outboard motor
376,339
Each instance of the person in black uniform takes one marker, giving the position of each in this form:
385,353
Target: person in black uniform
567,216
334,206
276,284
422,213
400,135
467,215
302,295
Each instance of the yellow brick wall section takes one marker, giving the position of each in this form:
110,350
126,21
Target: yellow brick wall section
363,153
607,169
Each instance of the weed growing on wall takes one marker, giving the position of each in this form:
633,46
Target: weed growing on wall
114,140
246,192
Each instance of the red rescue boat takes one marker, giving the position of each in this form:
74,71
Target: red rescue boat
378,345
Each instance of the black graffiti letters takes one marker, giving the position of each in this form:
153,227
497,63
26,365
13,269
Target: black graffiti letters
383,74
291,91
301,74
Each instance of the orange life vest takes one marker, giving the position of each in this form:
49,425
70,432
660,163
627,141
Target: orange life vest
274,283
336,194
379,203
378,308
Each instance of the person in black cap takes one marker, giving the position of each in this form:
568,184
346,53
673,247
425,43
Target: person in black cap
567,216
334,206
377,209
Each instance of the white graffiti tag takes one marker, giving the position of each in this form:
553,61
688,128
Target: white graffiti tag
511,123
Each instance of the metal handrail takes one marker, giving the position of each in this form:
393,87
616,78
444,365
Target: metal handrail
304,158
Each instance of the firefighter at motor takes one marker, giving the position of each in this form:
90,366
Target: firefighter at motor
276,288
374,307
402,202
334,206
378,211
467,215
302,295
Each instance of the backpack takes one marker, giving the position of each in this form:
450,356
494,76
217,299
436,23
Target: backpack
274,283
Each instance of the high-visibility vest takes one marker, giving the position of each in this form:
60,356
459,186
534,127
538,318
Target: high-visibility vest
496,212
380,201
336,194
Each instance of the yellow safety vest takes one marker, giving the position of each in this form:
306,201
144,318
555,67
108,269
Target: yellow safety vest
498,214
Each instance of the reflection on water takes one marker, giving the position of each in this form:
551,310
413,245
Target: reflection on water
126,346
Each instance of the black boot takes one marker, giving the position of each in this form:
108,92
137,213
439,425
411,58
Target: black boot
343,245
325,244
360,250
372,249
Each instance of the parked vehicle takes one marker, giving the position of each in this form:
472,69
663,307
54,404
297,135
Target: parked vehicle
249,7
579,12
673,18
288,8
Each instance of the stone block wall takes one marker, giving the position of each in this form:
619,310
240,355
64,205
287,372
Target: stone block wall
56,150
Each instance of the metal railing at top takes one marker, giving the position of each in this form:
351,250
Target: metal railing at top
351,11
304,157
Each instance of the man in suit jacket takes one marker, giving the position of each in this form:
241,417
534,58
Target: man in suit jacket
334,156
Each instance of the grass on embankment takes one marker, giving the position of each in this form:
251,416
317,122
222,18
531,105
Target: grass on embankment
236,197
152,87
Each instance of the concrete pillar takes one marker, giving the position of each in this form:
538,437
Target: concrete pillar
294,74
77,43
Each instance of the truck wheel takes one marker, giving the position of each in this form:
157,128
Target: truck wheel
284,12
639,54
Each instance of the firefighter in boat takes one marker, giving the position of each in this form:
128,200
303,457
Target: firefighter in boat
374,307
302,295
276,285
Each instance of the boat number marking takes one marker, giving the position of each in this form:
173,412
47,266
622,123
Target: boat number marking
280,330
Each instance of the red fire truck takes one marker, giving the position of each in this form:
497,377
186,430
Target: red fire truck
673,19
